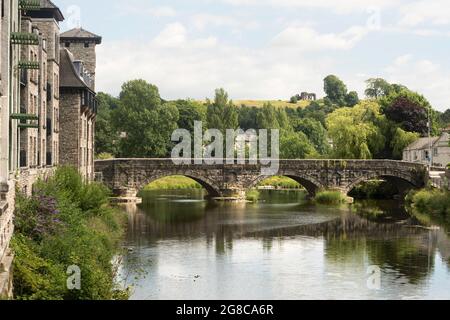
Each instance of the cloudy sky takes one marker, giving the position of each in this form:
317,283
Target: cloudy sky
268,49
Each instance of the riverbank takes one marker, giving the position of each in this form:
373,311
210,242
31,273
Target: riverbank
66,237
433,203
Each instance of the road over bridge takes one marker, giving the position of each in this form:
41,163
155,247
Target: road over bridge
126,177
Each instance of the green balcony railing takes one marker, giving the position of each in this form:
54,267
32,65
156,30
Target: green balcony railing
28,65
24,116
24,38
29,5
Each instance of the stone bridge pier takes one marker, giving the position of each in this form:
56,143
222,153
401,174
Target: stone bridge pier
126,177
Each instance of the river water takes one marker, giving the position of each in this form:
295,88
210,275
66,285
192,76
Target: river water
180,246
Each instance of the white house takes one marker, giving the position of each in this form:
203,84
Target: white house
419,151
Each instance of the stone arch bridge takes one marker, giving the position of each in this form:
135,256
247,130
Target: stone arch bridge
126,177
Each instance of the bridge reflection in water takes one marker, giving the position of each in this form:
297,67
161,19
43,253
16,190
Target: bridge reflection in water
340,239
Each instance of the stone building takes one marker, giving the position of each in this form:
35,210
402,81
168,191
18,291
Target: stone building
31,99
78,104
419,151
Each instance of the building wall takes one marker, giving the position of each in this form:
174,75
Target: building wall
70,115
50,31
85,54
9,145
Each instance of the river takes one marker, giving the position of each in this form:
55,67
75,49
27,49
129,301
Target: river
180,246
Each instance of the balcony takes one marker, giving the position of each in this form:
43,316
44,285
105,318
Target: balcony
29,5
29,65
24,38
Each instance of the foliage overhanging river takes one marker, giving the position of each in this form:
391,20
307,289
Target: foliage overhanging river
182,247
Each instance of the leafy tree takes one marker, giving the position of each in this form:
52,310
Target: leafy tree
444,118
315,132
355,132
335,90
377,88
296,145
352,99
189,112
106,136
247,117
146,122
269,117
400,141
409,110
221,113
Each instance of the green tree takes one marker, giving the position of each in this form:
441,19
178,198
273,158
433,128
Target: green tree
247,117
410,110
145,121
315,132
106,136
355,132
296,145
335,90
401,139
352,99
222,113
377,88
189,112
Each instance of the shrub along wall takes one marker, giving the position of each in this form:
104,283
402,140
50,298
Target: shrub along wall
65,223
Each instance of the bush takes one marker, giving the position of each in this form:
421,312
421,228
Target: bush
88,235
330,197
252,195
432,202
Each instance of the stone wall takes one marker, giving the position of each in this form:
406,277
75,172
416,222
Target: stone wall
128,176
69,148
85,54
7,202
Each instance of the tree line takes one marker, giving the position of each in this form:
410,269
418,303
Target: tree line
139,123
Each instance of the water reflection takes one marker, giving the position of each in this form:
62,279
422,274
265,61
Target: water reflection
281,248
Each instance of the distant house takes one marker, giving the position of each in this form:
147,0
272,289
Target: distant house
419,151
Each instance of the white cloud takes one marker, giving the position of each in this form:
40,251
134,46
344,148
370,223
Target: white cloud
434,12
423,76
134,9
172,35
185,66
308,39
204,20
340,6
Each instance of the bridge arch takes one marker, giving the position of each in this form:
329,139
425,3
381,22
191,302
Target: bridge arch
309,183
403,183
206,183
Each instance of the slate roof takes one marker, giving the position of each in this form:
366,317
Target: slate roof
80,34
48,10
422,144
69,77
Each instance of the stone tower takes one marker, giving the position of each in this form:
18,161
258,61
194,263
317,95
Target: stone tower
81,44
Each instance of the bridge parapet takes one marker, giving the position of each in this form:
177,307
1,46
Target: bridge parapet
128,176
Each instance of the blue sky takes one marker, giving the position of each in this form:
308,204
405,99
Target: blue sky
268,49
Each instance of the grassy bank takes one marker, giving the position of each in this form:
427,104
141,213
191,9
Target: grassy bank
330,198
280,183
173,183
66,223
431,202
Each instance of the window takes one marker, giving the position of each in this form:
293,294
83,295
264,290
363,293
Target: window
67,44
86,44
